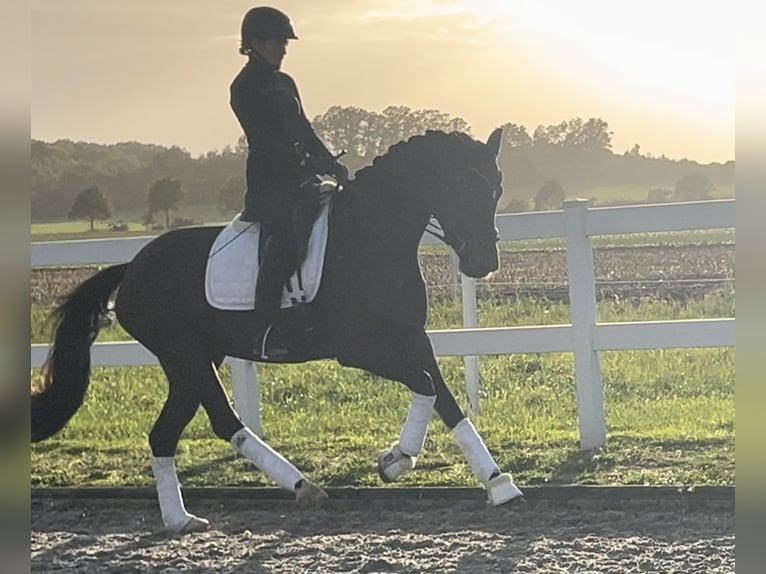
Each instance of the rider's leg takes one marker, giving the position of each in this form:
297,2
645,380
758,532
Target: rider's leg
275,269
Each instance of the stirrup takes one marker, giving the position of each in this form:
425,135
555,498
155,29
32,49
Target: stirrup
277,353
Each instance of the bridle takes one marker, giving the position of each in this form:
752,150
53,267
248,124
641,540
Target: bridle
455,241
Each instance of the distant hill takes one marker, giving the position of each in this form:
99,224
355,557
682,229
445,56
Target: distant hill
124,173
593,172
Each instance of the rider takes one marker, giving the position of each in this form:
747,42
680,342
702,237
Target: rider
283,152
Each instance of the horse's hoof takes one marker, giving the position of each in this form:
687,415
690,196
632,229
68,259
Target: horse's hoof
308,494
393,463
193,524
501,489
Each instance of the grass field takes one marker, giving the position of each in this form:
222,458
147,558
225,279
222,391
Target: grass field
670,415
209,215
638,193
69,231
62,230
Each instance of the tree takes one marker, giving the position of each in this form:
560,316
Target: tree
230,197
515,136
550,135
242,148
164,195
517,205
148,220
366,135
550,196
658,195
692,187
592,134
91,204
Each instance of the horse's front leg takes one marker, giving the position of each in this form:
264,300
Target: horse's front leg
402,456
393,357
410,360
499,486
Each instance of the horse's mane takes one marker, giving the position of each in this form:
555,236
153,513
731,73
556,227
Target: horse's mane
432,146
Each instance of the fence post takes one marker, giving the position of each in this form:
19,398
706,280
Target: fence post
584,315
247,394
470,321
454,274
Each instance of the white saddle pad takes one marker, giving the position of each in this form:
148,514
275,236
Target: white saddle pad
232,266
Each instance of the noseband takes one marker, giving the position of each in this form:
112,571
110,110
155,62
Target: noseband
457,242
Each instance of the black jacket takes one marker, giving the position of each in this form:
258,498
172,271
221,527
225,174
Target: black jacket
268,107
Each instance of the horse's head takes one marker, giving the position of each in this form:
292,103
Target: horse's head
465,207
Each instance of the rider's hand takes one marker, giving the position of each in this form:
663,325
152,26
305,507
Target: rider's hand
340,172
329,166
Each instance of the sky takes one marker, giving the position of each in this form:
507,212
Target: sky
661,73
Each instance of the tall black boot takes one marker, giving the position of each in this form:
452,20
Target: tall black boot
269,343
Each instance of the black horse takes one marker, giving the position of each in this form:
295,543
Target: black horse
370,313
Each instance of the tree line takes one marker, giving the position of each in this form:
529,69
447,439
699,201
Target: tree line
568,157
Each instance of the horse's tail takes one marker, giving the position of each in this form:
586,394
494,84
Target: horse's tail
66,372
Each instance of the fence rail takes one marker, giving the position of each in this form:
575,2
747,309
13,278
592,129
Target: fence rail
585,336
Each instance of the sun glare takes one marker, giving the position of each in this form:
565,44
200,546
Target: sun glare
656,53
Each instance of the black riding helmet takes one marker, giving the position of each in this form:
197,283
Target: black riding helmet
265,23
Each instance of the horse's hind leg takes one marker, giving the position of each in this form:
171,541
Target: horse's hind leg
180,406
228,426
193,380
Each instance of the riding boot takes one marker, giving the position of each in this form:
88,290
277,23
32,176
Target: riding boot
269,343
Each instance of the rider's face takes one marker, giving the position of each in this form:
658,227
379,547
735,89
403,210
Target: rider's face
272,51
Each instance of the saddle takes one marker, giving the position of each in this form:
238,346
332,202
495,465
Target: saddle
233,264
232,267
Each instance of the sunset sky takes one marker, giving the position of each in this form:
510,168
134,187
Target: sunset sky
661,73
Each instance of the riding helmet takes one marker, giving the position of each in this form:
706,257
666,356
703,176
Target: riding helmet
266,23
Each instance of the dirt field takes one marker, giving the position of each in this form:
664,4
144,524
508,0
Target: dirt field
539,273
610,534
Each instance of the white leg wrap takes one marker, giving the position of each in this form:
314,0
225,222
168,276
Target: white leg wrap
481,462
415,429
393,463
171,501
273,464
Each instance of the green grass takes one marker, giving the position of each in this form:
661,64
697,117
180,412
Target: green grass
70,230
670,415
209,215
638,193
600,195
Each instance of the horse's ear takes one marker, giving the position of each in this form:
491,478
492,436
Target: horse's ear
494,140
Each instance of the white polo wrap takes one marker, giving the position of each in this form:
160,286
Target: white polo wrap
415,429
481,462
174,514
273,464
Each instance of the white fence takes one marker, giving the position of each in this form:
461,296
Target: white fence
584,336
